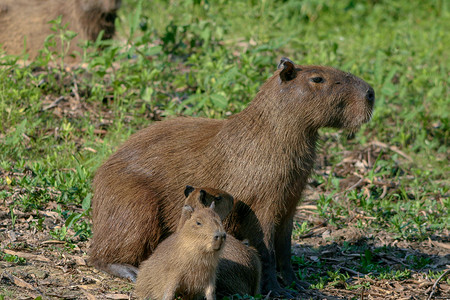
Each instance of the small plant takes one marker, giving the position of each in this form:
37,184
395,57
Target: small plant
337,279
367,261
82,228
395,275
300,229
418,262
57,45
13,258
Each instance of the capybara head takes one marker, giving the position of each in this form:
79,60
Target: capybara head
202,224
328,97
206,196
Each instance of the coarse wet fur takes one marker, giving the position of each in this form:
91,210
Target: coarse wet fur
24,23
262,156
239,269
186,262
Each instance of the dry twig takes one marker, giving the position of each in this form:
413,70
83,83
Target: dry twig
433,289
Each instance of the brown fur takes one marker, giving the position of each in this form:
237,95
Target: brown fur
186,262
239,269
239,265
28,19
263,156
205,196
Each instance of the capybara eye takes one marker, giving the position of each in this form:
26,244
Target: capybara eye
218,198
199,224
317,79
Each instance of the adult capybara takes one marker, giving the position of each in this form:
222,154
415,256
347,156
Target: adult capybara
186,262
262,156
24,23
239,270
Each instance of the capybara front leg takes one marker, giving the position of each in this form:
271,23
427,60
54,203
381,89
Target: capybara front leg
210,291
283,254
269,282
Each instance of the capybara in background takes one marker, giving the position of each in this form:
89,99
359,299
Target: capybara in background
186,262
262,156
239,265
26,22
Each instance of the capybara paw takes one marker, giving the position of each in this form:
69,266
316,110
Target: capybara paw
124,270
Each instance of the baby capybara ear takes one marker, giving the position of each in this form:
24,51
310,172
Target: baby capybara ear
186,213
288,72
202,198
188,190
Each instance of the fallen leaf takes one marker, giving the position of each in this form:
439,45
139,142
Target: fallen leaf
53,242
19,282
89,296
438,244
79,260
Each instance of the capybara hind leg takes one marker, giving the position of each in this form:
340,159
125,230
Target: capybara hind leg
122,270
283,254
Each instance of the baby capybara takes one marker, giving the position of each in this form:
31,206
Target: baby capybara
262,156
239,265
24,23
239,270
205,196
186,262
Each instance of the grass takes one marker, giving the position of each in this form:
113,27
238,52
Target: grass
208,59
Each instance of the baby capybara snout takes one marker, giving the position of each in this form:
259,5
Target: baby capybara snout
218,240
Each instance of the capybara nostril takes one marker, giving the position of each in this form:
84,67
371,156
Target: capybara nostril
370,96
220,236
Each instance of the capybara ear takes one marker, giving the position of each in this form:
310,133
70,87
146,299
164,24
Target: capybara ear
213,205
203,199
188,190
186,213
289,72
